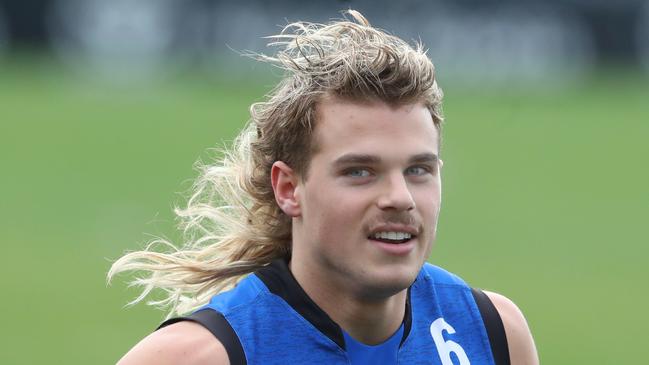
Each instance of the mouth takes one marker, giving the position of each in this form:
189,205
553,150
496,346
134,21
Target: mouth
392,237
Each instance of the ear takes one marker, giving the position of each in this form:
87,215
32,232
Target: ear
284,181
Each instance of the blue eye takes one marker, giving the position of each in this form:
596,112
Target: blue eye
357,173
417,170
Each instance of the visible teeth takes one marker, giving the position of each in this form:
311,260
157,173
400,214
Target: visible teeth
394,236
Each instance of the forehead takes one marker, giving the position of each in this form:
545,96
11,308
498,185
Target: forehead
374,128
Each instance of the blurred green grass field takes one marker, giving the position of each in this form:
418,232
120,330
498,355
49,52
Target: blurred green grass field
545,200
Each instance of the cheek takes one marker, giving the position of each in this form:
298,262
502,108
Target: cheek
333,218
428,203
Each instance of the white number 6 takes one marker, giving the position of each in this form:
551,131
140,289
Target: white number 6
444,348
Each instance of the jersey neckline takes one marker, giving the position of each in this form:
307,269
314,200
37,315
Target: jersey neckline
280,281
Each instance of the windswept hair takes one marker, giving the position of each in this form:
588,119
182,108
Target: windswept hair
232,224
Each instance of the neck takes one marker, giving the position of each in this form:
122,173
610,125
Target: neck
370,320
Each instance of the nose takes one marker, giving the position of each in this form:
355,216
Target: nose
396,194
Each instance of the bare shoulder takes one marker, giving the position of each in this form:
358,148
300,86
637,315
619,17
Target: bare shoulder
182,343
522,350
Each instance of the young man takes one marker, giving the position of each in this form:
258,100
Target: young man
319,223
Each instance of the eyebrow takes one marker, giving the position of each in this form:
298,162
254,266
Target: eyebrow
423,158
353,158
364,159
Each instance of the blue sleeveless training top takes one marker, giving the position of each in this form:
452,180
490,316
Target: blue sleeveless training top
277,323
383,353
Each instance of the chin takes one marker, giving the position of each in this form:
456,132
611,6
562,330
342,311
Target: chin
390,280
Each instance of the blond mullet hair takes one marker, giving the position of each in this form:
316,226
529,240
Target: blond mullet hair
232,224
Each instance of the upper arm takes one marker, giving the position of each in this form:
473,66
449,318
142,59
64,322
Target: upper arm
522,350
182,343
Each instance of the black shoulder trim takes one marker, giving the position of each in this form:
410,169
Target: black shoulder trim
280,281
494,325
407,319
216,323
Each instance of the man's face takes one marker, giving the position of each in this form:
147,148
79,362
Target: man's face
371,197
